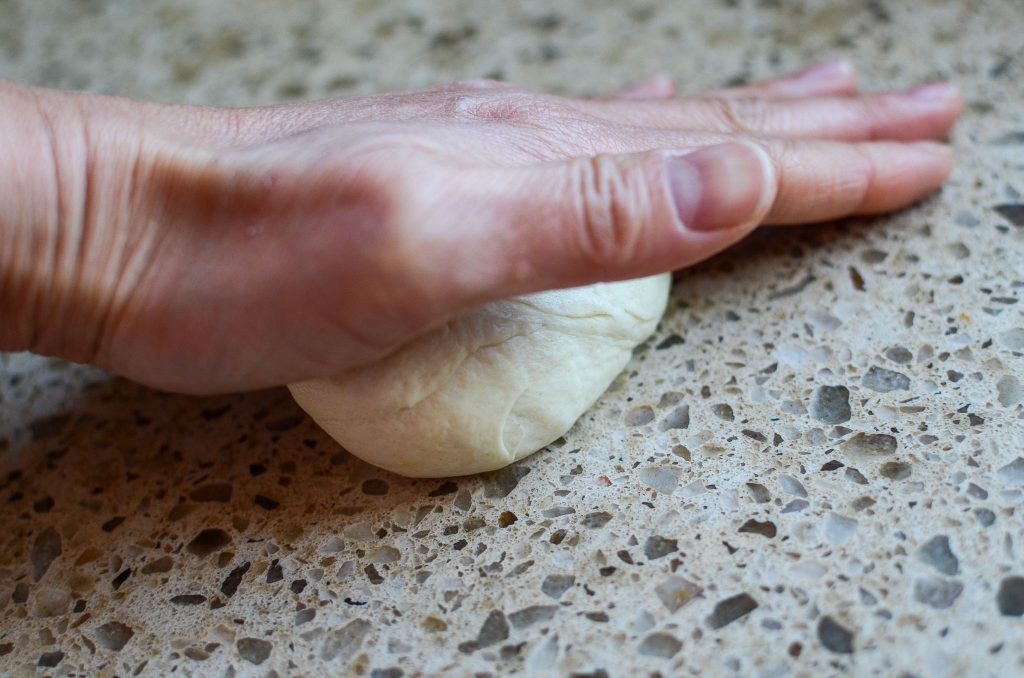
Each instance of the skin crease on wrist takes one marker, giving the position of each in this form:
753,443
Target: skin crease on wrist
206,250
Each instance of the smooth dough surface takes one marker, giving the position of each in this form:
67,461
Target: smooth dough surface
491,386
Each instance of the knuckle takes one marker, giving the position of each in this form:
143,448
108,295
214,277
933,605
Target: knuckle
614,206
861,181
510,107
739,115
867,116
460,105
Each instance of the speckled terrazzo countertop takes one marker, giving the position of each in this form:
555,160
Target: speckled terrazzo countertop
814,467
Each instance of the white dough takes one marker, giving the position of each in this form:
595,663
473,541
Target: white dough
492,386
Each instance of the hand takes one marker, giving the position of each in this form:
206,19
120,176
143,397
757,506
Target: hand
254,247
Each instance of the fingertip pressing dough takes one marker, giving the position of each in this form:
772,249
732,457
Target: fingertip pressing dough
491,386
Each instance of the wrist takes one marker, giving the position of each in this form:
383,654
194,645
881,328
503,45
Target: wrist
67,179
30,211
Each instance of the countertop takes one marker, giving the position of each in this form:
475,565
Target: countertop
814,467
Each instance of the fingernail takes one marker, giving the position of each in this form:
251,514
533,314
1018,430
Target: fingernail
939,91
718,187
829,70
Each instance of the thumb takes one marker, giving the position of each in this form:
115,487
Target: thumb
615,217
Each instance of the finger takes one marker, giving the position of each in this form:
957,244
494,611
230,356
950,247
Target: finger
821,180
927,112
583,220
828,78
824,180
658,86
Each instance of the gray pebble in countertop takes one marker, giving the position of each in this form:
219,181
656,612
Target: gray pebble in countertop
815,466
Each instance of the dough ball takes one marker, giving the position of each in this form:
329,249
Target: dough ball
491,386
